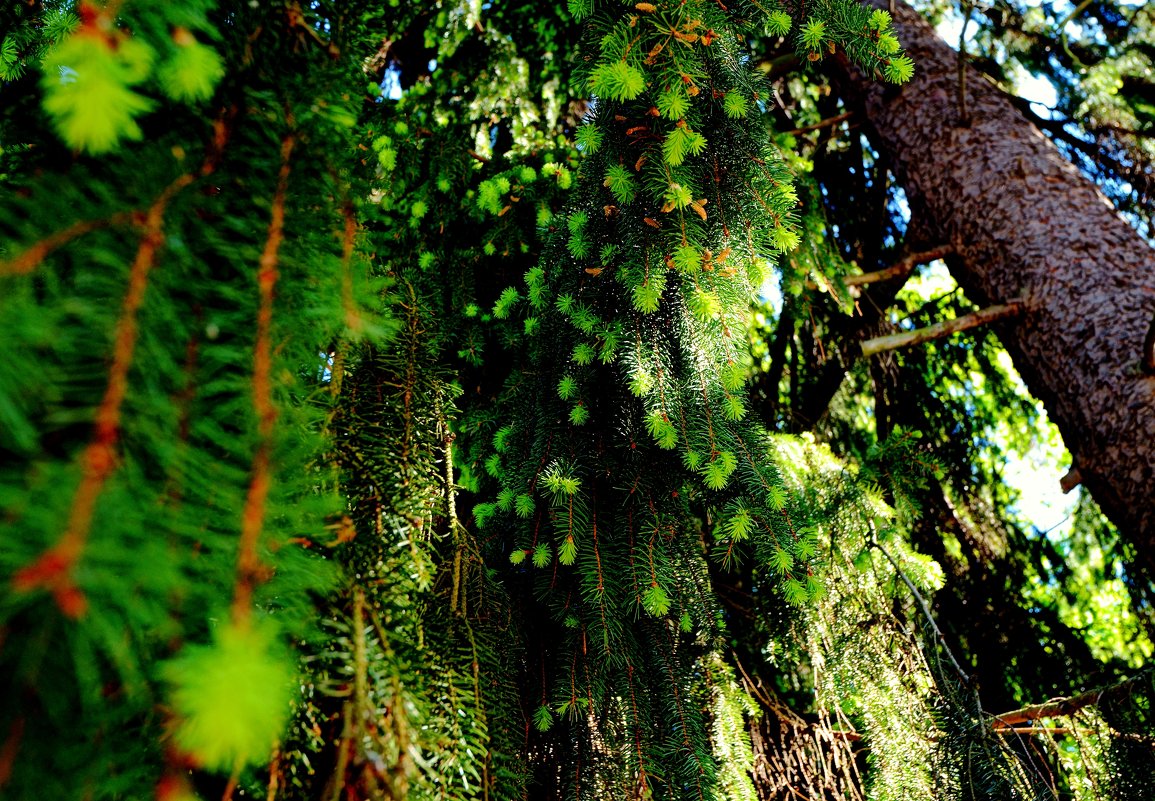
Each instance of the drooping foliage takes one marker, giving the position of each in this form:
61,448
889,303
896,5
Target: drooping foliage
377,422
1012,580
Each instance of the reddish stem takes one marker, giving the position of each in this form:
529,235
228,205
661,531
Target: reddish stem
249,567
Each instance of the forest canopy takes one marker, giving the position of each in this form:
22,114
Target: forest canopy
577,400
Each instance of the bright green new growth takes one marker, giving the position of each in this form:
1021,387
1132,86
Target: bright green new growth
680,143
617,81
232,698
96,77
598,413
192,72
504,305
566,387
735,104
673,103
543,717
647,296
812,33
588,138
88,90
621,183
687,258
778,23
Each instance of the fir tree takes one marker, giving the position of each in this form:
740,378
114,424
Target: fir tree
377,426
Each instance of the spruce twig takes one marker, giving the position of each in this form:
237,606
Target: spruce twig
53,570
253,517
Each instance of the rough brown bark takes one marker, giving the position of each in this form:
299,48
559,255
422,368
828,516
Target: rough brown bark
1025,224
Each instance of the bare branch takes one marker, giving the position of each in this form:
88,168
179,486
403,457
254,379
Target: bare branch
962,674
903,267
1062,707
1048,730
826,123
940,330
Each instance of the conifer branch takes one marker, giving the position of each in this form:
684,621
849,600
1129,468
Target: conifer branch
413,331
253,517
360,664
336,782
454,524
273,786
32,257
53,570
642,780
926,613
941,329
231,784
349,234
1064,707
10,748
818,126
901,268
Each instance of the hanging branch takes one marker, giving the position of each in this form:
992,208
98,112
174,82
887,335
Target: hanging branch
53,570
353,319
31,258
942,329
253,518
922,604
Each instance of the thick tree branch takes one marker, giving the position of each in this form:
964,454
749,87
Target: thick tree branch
942,329
816,396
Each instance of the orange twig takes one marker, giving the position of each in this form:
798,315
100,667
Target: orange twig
31,258
253,518
352,314
10,748
53,570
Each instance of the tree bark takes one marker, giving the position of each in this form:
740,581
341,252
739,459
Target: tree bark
1024,223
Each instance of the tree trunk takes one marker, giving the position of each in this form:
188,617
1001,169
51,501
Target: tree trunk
1025,223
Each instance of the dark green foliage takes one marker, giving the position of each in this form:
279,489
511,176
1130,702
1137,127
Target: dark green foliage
382,367
158,478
